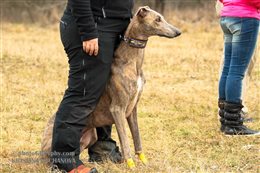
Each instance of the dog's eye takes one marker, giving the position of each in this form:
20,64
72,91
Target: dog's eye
158,19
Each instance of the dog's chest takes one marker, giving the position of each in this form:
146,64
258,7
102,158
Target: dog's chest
137,90
139,84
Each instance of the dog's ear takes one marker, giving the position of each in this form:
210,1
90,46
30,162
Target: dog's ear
143,11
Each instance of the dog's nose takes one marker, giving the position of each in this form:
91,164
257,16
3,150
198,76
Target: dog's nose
178,33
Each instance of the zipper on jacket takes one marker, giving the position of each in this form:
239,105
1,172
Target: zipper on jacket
103,12
84,94
84,78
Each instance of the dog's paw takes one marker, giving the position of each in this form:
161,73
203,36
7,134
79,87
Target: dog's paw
142,158
130,163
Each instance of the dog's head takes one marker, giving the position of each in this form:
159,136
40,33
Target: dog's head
153,23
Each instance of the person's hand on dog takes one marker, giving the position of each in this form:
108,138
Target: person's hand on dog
91,46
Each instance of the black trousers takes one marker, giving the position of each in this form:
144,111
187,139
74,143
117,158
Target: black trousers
86,82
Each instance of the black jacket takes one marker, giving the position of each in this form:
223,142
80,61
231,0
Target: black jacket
84,10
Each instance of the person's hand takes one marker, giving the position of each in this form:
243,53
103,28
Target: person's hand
91,46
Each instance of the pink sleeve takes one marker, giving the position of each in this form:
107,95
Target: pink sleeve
255,3
221,1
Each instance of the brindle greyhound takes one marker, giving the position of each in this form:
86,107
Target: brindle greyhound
119,100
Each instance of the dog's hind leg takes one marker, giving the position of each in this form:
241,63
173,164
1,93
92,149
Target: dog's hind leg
47,139
133,125
88,138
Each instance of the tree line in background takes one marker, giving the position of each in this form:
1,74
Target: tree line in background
49,11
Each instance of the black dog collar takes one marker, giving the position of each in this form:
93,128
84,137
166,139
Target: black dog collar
135,42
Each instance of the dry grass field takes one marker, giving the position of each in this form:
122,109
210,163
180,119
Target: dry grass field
177,111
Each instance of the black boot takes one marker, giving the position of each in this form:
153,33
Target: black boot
103,151
221,114
105,148
233,121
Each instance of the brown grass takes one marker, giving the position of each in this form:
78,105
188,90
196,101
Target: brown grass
177,112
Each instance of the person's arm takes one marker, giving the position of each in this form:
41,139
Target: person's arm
82,12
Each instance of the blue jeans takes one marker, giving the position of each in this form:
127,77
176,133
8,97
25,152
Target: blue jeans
240,35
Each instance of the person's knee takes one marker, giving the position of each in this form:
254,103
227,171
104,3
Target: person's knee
66,138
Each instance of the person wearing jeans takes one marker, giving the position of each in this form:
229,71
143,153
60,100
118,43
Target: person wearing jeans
90,32
240,24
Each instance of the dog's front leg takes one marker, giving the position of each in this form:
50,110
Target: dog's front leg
133,125
118,114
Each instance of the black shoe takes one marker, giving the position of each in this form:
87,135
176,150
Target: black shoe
240,130
102,151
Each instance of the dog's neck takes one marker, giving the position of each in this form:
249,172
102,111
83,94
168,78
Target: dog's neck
134,31
127,54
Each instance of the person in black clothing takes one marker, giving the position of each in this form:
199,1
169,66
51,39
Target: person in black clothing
89,31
